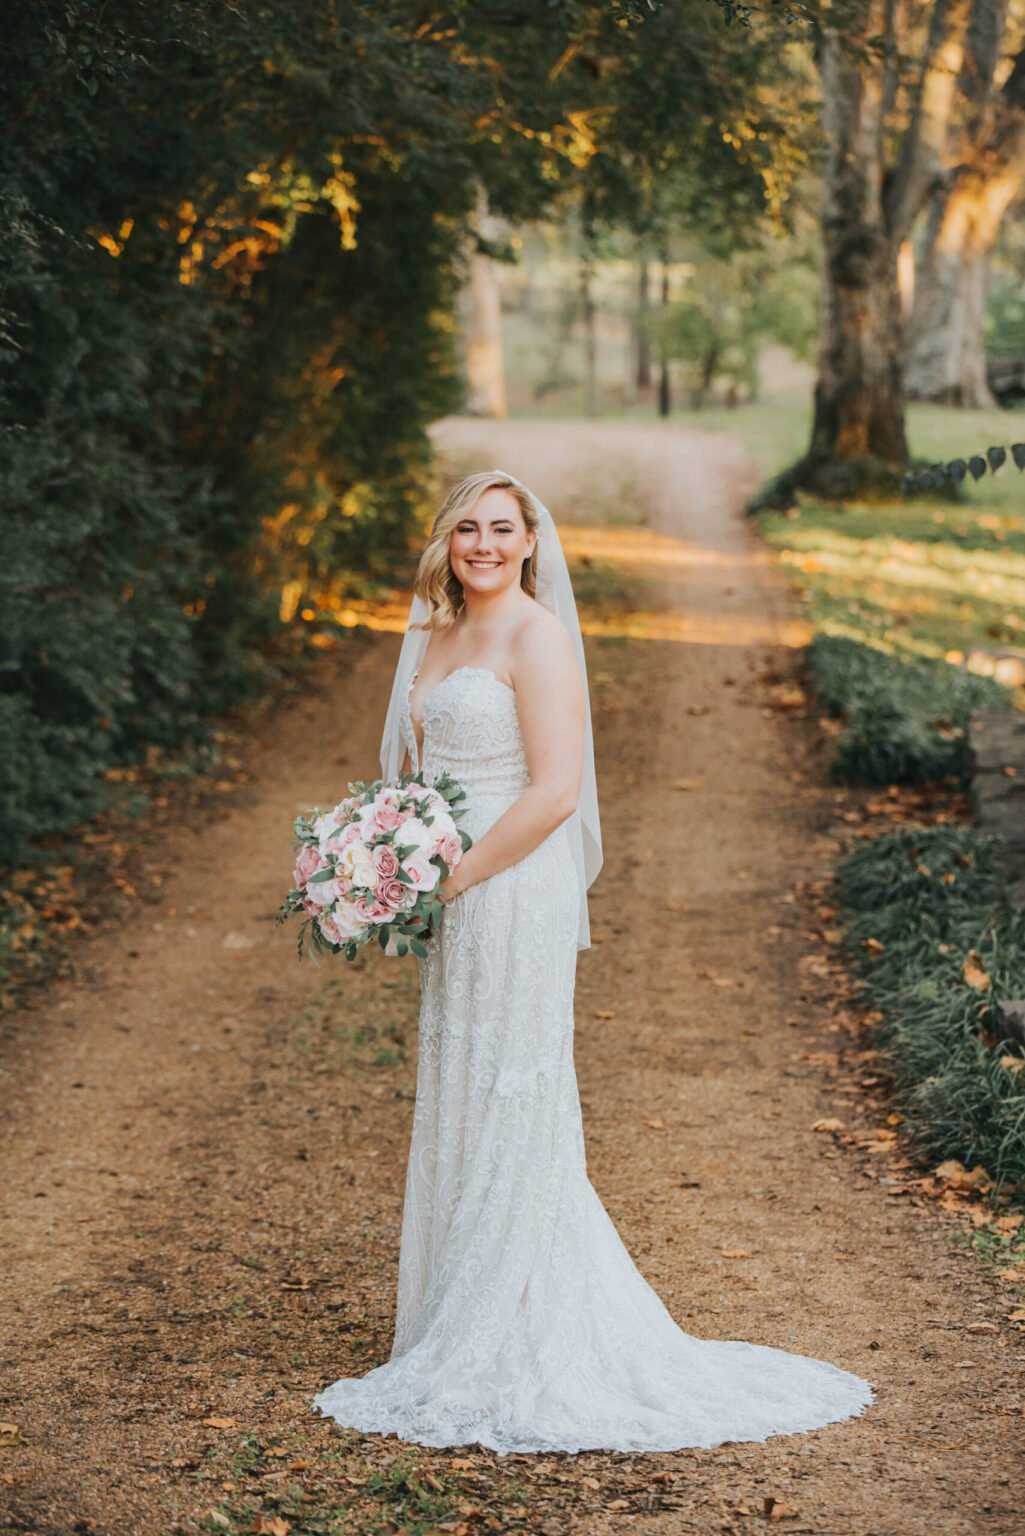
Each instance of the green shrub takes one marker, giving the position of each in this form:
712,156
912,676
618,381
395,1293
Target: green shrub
906,721
932,898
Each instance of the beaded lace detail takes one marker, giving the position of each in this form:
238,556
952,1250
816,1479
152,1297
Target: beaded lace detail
522,1323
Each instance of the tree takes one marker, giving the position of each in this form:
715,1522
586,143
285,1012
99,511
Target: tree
887,91
986,153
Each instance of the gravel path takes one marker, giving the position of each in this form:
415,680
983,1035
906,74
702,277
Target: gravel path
205,1142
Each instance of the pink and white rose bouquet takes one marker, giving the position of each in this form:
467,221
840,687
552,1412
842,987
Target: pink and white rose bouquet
371,867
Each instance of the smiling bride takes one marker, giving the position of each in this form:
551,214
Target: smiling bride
522,1323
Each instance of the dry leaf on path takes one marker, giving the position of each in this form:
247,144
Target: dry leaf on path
269,1525
1012,1276
220,1423
685,784
872,947
736,1253
605,1013
740,1508
1009,1223
10,1434
619,1504
980,1328
1018,1316
830,1125
656,1123
775,1509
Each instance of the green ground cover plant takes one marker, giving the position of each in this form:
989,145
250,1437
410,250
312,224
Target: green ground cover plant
937,946
905,722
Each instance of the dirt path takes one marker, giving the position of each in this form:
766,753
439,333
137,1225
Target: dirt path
205,1143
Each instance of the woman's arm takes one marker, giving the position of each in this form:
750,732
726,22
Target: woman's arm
550,703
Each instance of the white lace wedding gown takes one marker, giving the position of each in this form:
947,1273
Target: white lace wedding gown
522,1322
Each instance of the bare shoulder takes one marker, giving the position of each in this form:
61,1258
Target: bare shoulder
542,648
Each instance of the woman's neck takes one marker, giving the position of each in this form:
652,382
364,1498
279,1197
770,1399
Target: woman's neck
483,610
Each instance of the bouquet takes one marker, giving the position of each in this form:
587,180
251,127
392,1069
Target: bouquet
372,866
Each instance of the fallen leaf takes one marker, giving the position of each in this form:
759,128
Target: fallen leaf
980,1328
276,1450
10,1434
220,1423
775,1509
740,1508
605,1013
697,709
956,1174
736,1253
830,1125
461,1464
1012,1276
619,1504
1017,1316
269,1525
1012,1063
685,784
872,947
1009,1223
656,1123
789,696
590,1482
974,974
299,1466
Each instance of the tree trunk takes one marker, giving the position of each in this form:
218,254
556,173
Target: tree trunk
868,206
643,341
859,411
481,316
665,401
946,354
590,346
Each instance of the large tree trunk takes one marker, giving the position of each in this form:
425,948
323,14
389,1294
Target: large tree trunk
868,205
946,354
481,324
859,411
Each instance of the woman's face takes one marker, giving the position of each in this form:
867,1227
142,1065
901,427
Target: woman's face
488,546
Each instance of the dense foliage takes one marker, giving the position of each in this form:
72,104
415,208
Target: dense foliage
230,239
905,722
939,945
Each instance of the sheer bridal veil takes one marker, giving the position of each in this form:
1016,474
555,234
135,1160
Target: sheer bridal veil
554,592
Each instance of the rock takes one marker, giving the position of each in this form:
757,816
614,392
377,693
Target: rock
996,754
1010,1018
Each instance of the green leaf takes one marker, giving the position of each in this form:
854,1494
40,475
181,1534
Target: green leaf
418,948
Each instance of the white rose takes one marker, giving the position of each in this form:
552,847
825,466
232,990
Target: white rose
355,863
414,835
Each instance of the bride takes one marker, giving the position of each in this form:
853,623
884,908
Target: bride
522,1323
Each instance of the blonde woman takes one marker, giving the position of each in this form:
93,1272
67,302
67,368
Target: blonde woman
522,1323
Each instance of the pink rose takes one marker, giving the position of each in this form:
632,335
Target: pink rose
352,832
369,910
309,861
386,818
386,864
310,907
422,873
392,893
451,849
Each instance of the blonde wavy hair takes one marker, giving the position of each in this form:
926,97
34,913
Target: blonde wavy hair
436,582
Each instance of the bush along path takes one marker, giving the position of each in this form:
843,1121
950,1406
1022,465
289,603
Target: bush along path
205,1142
